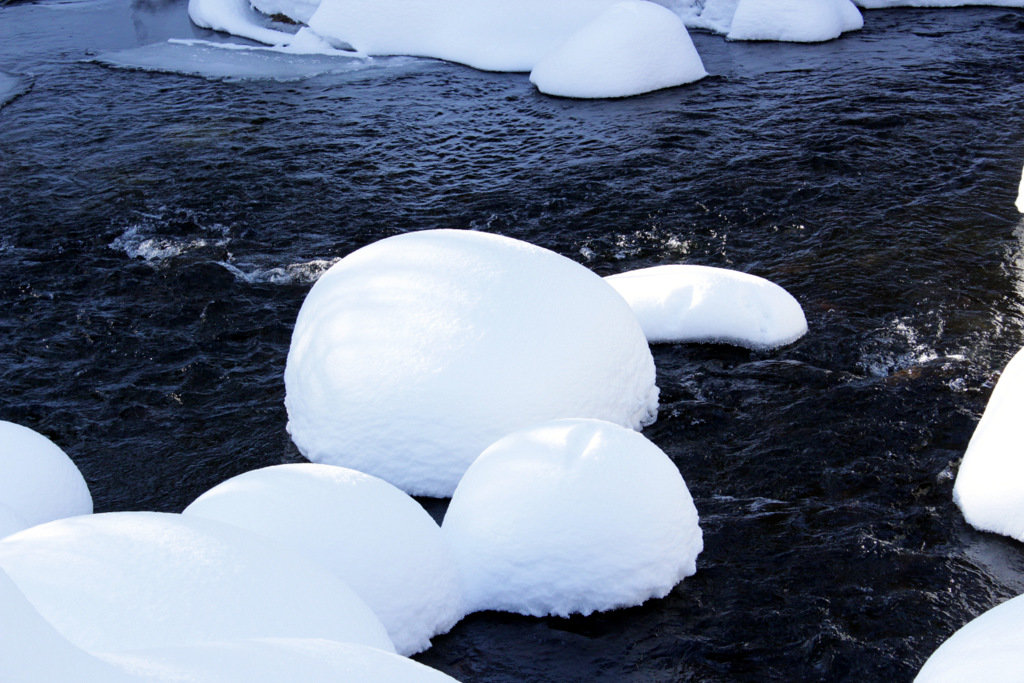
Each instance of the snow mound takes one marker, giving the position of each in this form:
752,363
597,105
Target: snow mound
800,21
990,648
375,537
411,355
10,521
683,303
572,516
236,17
1020,194
38,481
989,486
632,48
130,580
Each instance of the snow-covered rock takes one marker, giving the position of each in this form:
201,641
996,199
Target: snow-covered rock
686,303
413,354
634,47
38,481
1020,194
802,21
130,580
236,17
989,486
572,516
372,535
990,648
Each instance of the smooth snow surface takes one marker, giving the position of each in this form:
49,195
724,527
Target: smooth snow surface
989,486
1020,194
570,517
493,35
683,303
803,21
130,580
413,354
990,648
632,48
38,481
369,533
10,521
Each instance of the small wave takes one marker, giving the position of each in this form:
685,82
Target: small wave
900,348
293,273
139,241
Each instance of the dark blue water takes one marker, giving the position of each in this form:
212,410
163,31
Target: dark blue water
158,233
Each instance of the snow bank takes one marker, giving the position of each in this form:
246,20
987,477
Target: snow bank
572,516
11,521
989,648
237,18
130,580
1020,194
411,355
989,486
801,21
38,481
376,538
682,303
632,48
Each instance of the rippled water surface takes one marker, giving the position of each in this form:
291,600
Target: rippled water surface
159,231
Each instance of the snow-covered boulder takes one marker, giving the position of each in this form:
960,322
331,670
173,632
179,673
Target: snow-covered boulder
372,535
990,648
801,21
684,303
413,354
634,47
1020,194
572,516
989,486
235,17
130,580
38,481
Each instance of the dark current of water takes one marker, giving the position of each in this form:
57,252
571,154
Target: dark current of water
158,233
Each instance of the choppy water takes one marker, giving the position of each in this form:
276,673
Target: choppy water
159,231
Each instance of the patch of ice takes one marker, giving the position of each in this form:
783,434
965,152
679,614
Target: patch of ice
632,48
801,21
411,355
10,87
989,648
572,516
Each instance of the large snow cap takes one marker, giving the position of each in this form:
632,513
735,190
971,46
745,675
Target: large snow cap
990,648
800,21
632,48
683,303
494,35
376,538
129,580
989,486
38,481
413,354
572,516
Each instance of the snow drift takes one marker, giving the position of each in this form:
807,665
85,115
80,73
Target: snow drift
990,648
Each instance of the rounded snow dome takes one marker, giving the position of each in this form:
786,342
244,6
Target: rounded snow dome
411,355
38,481
132,580
10,521
369,533
990,648
572,516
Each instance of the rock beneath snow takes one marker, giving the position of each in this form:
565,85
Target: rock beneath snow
38,481
413,354
237,18
684,303
801,21
990,648
989,486
572,516
632,48
369,533
130,580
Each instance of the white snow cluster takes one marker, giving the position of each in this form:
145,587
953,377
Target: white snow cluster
803,21
572,516
688,303
367,532
1020,194
413,354
990,648
989,486
38,481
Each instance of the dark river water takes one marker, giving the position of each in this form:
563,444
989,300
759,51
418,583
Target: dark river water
159,231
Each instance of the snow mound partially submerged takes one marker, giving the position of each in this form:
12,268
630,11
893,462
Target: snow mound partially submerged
990,648
413,354
130,580
802,21
38,481
632,48
376,538
1020,194
683,303
989,486
572,516
236,17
